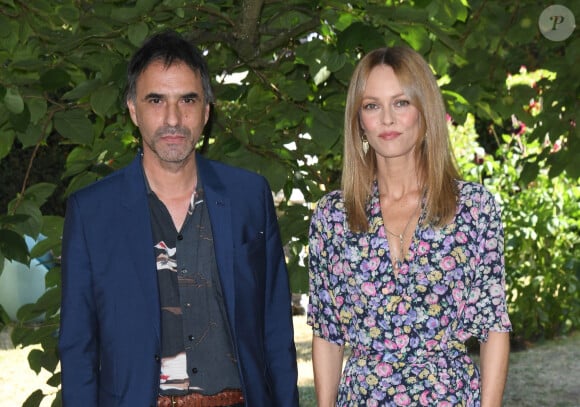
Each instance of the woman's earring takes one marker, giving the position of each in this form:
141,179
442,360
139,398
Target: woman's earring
365,144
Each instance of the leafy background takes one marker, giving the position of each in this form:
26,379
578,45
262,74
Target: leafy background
282,68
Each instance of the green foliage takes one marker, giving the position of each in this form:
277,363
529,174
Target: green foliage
542,224
282,70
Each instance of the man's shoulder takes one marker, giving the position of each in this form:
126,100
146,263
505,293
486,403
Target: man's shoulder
229,173
115,181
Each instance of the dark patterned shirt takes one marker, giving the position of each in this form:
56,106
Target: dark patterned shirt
197,348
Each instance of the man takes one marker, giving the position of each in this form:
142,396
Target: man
175,289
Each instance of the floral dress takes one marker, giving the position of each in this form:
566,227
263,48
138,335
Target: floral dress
407,333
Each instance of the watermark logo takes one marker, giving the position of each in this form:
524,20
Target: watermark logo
557,23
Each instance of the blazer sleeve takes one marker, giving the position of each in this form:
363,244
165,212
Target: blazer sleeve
78,346
279,332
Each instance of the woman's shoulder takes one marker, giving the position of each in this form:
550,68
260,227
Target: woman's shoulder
475,195
473,191
330,206
332,199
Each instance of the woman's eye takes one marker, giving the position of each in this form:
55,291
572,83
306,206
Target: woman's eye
370,106
402,103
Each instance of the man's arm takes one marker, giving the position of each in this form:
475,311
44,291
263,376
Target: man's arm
327,364
494,356
78,347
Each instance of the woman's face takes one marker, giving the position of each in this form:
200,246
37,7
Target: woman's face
389,120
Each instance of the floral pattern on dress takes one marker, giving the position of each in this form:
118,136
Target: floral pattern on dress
407,333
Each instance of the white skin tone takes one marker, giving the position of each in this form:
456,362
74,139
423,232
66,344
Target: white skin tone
170,111
392,126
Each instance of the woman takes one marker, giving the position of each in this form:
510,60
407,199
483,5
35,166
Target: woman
406,261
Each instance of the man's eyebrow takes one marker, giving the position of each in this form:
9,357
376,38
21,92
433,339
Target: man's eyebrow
153,96
191,95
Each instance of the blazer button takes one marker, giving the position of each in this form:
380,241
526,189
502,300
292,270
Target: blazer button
157,358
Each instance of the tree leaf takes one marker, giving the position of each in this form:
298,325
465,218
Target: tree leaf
39,193
83,89
4,26
74,125
68,14
54,381
13,100
34,399
13,246
57,402
37,107
103,99
359,35
31,137
34,222
6,139
137,33
55,78
34,359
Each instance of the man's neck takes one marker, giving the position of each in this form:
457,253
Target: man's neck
170,180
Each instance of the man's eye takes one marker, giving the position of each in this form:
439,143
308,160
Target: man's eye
189,100
154,101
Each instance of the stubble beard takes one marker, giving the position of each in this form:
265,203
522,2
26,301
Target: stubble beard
172,153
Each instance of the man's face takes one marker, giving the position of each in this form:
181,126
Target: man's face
170,111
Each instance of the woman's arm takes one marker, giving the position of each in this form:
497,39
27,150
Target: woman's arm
494,356
327,364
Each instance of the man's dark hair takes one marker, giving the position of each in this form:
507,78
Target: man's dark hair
169,47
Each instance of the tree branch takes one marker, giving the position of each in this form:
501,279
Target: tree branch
247,34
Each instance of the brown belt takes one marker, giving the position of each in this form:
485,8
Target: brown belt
224,398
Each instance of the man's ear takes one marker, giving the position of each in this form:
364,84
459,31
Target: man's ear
207,113
132,112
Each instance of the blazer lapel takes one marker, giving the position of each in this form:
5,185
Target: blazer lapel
219,208
139,239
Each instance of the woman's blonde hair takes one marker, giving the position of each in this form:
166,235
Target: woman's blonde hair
435,161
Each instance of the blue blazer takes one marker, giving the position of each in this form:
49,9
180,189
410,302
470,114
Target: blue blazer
109,340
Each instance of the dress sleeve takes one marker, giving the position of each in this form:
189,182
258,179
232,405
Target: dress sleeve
486,308
325,266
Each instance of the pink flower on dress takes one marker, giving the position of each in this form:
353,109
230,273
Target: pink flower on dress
431,299
337,268
461,237
402,309
457,294
388,288
424,398
402,341
373,263
423,248
369,289
370,322
448,263
402,399
390,345
384,369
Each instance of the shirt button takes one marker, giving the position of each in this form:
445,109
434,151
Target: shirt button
191,337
